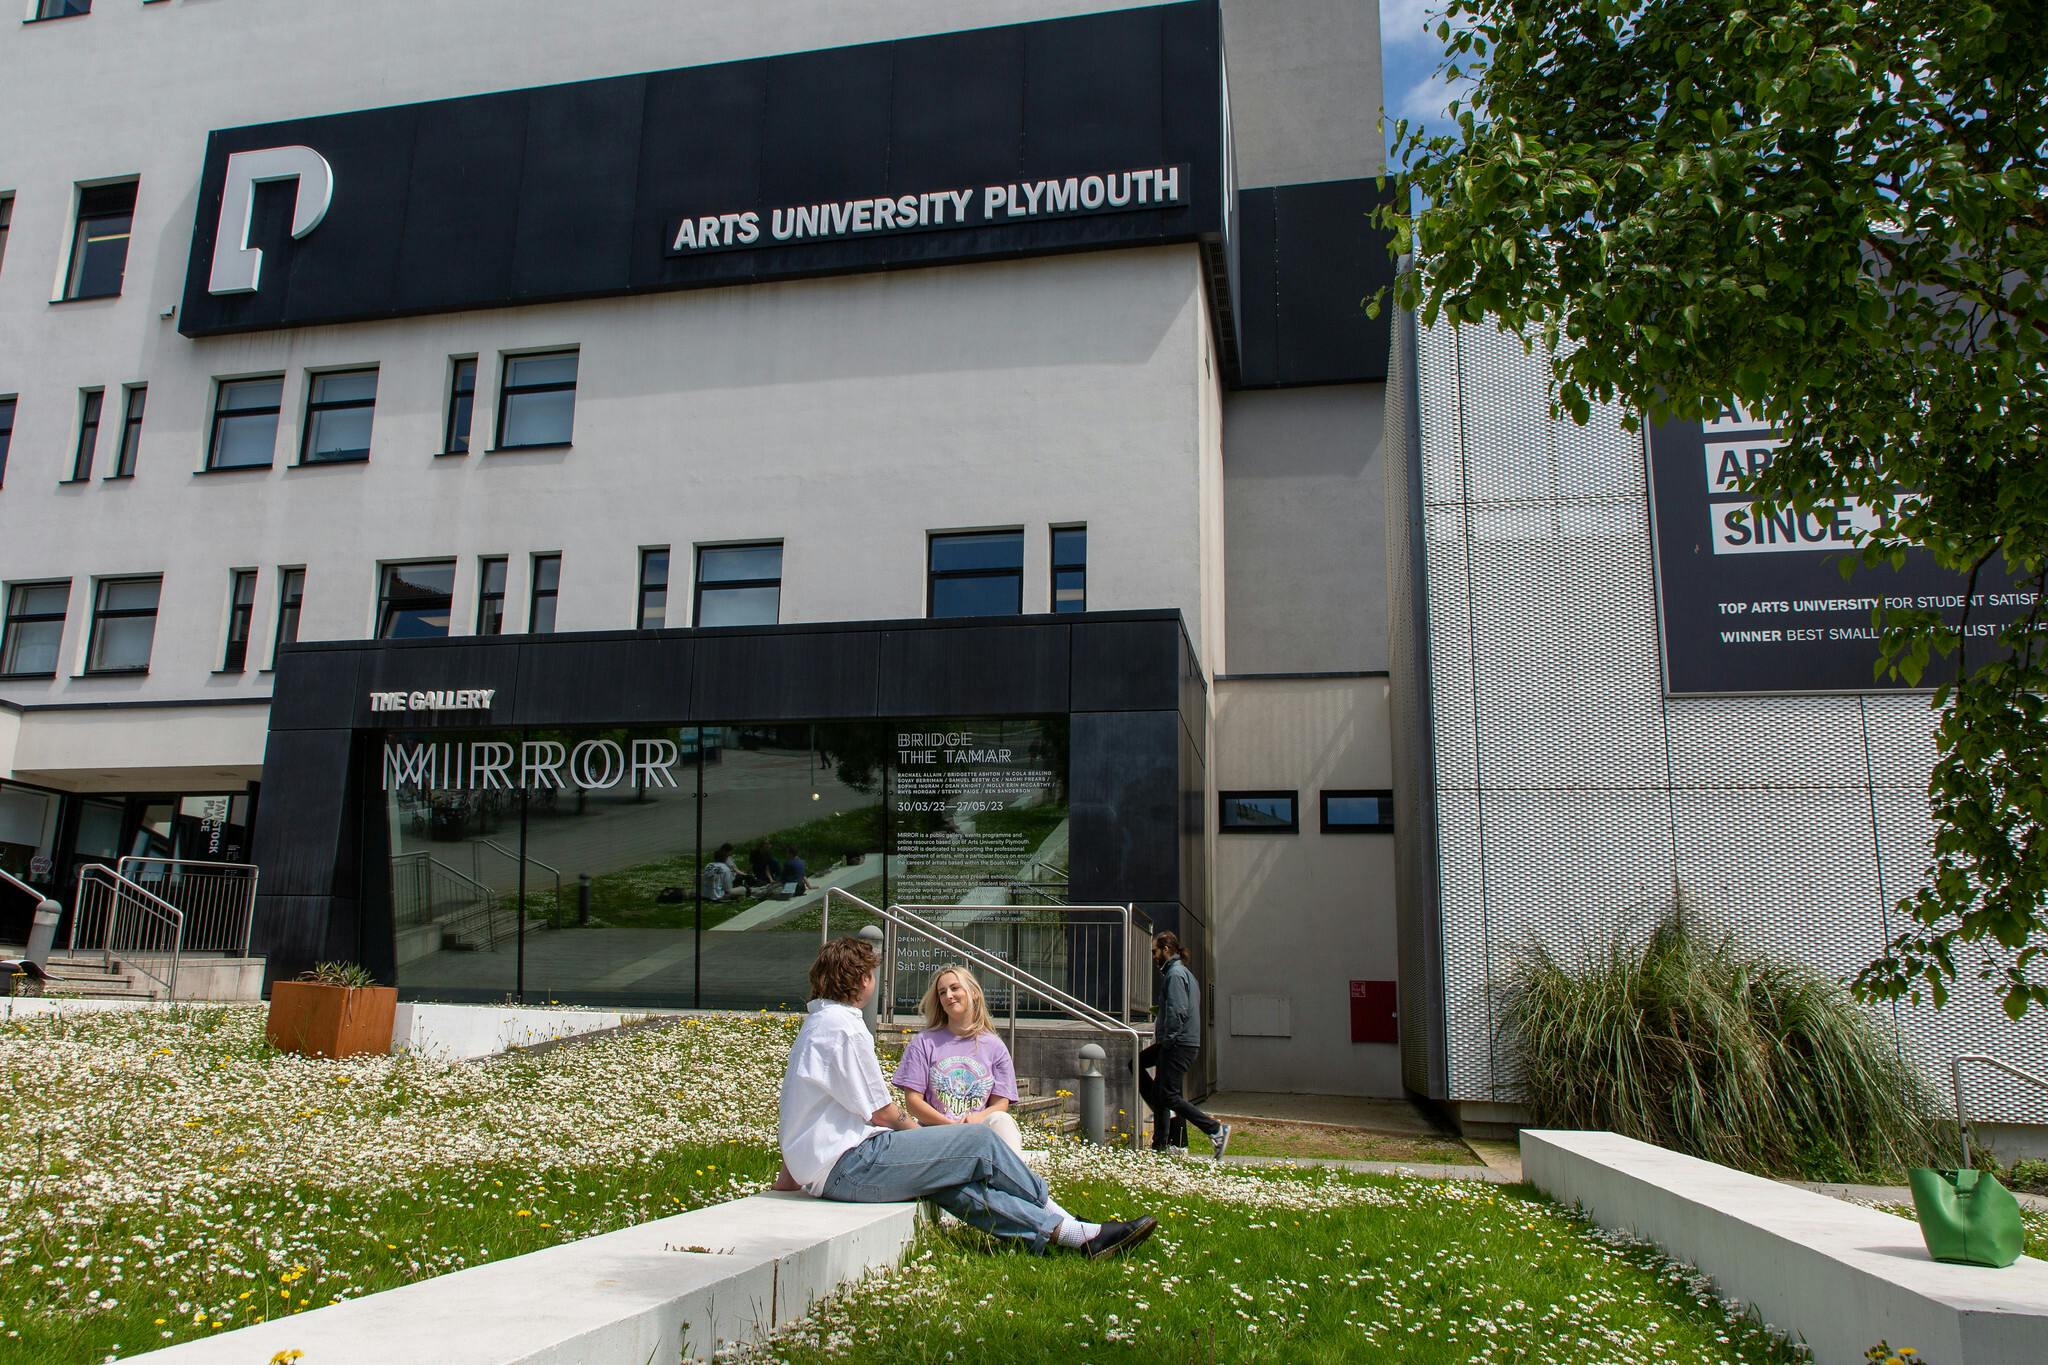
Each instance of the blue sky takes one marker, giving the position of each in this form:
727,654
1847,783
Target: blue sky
1409,54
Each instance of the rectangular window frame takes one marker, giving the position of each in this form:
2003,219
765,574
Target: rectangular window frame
1069,566
1384,796
933,576
48,10
385,571
291,602
101,614
317,407
92,405
85,237
7,407
223,415
536,594
648,586
490,602
134,399
1225,825
6,224
460,390
241,619
698,586
15,617
508,392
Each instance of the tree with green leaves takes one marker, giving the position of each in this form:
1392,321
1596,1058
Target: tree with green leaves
1835,214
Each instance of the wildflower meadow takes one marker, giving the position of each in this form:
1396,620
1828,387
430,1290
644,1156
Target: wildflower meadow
166,1175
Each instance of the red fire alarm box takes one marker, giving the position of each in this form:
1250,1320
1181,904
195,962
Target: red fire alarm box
1373,1016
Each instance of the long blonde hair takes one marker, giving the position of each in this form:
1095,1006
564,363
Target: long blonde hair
978,1017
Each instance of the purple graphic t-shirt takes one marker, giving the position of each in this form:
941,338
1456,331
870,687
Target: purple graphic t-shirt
956,1075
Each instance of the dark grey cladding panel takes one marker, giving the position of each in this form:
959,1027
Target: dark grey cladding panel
569,681
316,689
1309,256
1126,665
1124,802
1194,698
440,665
291,933
999,670
307,822
805,675
1194,816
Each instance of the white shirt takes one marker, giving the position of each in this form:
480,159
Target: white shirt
833,1084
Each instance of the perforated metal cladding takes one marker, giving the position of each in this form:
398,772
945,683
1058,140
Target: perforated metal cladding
1557,620
1418,940
1572,795
1766,741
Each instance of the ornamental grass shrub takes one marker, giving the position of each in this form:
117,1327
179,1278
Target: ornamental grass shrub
1688,1040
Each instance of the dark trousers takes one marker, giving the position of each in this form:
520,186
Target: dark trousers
1161,1069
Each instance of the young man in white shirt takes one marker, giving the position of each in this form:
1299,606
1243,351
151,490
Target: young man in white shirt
844,1138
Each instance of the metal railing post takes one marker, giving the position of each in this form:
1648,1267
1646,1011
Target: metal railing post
1956,1080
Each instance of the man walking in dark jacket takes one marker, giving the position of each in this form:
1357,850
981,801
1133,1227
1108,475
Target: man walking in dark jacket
1176,1043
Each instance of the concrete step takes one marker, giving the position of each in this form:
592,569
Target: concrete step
1037,1104
678,1287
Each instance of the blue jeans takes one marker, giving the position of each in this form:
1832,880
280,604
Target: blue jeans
963,1168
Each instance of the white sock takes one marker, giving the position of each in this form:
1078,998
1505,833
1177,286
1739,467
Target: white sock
1053,1205
1075,1233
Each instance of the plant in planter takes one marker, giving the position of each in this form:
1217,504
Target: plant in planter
335,1010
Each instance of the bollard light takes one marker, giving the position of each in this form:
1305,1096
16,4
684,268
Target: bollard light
1092,1086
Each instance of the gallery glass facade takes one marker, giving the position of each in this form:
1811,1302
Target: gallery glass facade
657,865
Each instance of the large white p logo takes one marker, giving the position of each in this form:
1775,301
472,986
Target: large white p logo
237,266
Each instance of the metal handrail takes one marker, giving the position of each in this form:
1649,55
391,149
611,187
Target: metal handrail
517,858
1126,913
145,900
485,897
18,884
903,917
1956,1078
200,869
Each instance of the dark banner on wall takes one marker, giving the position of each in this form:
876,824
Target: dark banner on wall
1060,135
1755,602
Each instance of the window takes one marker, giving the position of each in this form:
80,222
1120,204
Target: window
6,217
537,402
339,408
1258,813
123,625
34,629
739,585
977,574
99,241
241,611
245,423
6,433
291,594
490,596
1358,812
461,406
415,600
131,431
62,9
89,403
1070,568
547,586
653,589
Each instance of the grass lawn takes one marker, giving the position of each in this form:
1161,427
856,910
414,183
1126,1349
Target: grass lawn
1254,1137
165,1175
1300,1268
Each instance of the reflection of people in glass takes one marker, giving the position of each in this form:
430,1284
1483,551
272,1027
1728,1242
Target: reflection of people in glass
793,873
762,868
719,877
957,1070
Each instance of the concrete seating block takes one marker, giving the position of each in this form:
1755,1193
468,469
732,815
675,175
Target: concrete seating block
1839,1276
677,1288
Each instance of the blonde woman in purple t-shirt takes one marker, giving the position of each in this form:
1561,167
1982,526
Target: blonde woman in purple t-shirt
957,1070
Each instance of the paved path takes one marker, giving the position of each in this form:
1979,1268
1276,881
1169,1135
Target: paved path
1396,1117
1417,1169
1898,1194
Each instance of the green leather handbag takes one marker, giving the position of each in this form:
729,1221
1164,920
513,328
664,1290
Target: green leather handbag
1966,1217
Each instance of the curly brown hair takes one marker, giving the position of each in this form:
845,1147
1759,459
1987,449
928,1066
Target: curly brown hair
841,964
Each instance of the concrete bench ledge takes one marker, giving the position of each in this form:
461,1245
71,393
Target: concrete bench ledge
1839,1276
673,1289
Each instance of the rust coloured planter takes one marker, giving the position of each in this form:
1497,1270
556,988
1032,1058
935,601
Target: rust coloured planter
331,1021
